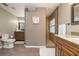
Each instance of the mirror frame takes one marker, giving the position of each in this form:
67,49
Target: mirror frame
72,15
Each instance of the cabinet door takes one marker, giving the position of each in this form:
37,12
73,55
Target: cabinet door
19,36
66,52
58,50
52,37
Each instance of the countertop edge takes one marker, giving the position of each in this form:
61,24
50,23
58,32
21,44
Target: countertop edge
75,41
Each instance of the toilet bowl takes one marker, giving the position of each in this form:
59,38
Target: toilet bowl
7,43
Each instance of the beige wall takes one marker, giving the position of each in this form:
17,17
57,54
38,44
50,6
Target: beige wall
64,16
64,13
35,33
8,22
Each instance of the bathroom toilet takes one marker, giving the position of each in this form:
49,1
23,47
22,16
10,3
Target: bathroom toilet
7,42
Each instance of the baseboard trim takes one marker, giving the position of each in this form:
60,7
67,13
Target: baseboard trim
34,46
19,42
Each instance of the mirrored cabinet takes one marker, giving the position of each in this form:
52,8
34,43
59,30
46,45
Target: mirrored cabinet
75,14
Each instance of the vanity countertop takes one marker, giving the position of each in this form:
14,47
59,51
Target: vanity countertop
73,39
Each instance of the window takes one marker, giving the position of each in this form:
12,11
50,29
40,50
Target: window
52,25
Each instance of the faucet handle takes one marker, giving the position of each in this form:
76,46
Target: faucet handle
68,23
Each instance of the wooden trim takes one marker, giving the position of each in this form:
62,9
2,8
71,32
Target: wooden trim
56,23
47,29
47,26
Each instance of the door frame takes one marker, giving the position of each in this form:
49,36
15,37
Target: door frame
48,18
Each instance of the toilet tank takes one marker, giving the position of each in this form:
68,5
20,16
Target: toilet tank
5,36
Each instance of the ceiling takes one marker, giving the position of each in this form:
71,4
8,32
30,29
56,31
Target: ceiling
17,9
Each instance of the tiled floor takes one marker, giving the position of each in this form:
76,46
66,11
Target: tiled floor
43,50
47,51
23,50
19,50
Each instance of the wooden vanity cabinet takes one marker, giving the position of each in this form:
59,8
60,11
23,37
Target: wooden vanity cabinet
66,52
19,36
66,48
58,50
51,37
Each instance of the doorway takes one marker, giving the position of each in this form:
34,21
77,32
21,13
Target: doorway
19,34
52,28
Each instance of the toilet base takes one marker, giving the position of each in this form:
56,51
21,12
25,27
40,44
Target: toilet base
0,46
8,45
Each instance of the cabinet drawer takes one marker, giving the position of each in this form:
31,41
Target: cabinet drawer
67,48
66,52
70,46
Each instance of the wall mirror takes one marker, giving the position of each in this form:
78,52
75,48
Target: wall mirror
75,14
21,22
